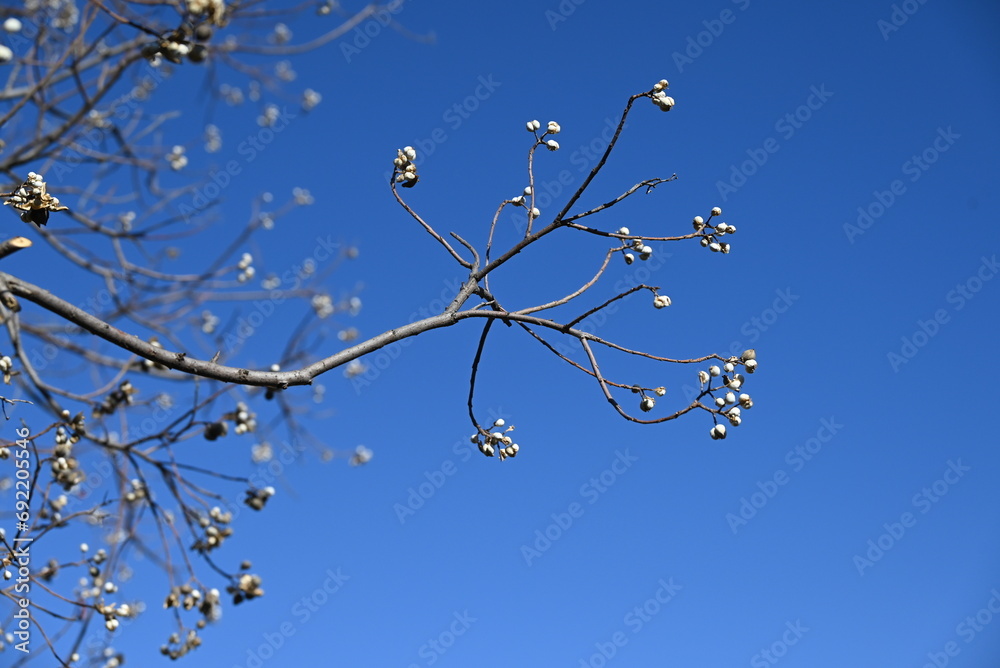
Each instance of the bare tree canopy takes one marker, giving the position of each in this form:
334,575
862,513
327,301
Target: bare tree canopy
155,358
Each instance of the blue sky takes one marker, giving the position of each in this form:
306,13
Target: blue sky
850,520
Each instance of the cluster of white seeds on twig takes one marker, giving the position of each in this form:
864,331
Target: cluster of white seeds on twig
729,404
659,95
710,234
32,201
491,443
405,169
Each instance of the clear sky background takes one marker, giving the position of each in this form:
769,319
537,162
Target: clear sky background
852,520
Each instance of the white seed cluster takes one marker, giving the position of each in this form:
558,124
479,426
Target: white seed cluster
361,456
552,128
711,233
213,138
137,491
176,158
121,396
247,586
354,368
213,10
64,13
302,197
323,305
32,200
215,527
525,200
65,468
492,442
661,301
209,322
310,99
150,364
256,498
246,268
6,367
729,404
405,167
244,419
659,95
269,117
282,34
639,246
189,597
